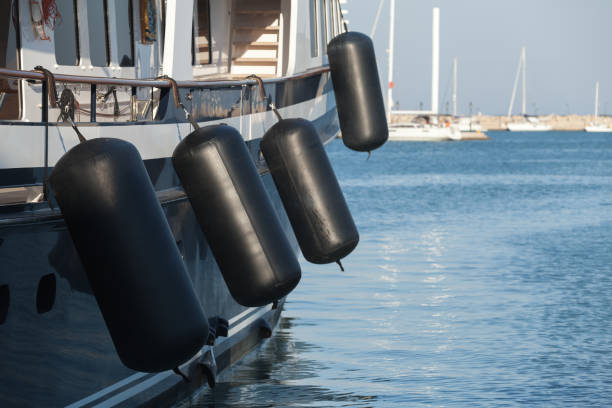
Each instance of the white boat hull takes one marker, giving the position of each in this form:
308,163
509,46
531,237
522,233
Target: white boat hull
598,129
423,134
528,127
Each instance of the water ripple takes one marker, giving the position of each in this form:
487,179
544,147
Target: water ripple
482,279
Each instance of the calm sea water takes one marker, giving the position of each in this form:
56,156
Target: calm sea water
483,278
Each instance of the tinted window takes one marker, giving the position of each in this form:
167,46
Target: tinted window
66,34
98,34
9,88
201,28
125,33
163,25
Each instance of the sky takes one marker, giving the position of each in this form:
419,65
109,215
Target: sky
569,48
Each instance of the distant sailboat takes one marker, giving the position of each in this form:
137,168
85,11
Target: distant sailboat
530,123
462,123
595,126
420,132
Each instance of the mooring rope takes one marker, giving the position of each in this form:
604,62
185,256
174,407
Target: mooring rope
66,104
264,98
177,100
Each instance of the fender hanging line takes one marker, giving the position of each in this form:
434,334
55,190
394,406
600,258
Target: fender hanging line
65,104
343,20
264,98
178,372
47,84
177,100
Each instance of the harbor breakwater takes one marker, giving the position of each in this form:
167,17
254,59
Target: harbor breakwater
494,122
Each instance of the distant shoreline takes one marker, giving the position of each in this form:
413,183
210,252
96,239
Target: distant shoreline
493,122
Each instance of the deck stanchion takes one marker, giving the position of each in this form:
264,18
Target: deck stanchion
45,119
92,102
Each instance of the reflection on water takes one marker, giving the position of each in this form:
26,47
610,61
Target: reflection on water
279,373
483,278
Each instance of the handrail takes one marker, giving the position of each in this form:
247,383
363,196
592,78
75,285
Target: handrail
157,83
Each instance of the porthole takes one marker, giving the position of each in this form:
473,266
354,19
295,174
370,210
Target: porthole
4,302
45,296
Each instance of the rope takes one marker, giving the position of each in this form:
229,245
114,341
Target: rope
346,25
66,101
66,105
177,371
262,93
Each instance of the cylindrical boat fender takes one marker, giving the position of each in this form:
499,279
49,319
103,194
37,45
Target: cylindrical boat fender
309,190
131,259
236,215
359,100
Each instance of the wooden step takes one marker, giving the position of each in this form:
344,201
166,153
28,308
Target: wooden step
248,61
244,27
258,12
201,41
257,44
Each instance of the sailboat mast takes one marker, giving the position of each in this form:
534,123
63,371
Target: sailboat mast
514,87
524,60
455,86
435,61
596,99
390,74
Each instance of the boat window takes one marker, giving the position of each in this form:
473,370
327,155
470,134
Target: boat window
45,295
4,302
201,52
98,33
314,29
9,48
66,35
163,26
125,33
